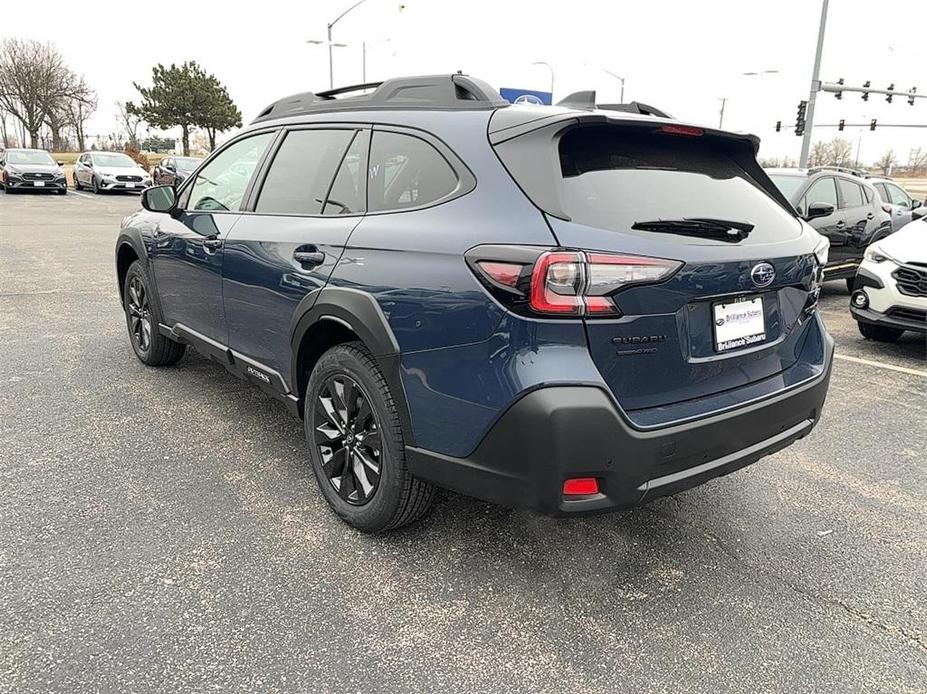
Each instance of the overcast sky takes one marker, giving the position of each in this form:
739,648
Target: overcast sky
682,56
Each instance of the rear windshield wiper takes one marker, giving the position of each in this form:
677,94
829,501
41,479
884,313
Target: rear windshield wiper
723,229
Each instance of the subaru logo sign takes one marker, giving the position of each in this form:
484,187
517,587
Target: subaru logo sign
763,274
529,99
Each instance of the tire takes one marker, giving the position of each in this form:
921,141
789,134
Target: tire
394,497
96,188
850,282
63,191
879,333
150,346
76,183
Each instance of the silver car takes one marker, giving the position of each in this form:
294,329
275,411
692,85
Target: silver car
106,171
895,201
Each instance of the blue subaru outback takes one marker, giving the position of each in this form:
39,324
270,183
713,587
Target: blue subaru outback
572,308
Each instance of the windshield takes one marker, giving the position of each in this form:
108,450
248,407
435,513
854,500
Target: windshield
114,160
187,163
623,180
29,157
789,185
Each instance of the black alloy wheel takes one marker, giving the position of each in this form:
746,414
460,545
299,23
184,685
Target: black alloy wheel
348,439
139,311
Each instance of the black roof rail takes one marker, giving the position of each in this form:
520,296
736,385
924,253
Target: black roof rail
585,101
440,92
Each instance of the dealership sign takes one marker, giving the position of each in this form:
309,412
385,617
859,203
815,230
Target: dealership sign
526,96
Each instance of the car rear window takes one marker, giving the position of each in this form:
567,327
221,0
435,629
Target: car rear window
613,178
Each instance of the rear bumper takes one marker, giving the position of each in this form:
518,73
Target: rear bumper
556,433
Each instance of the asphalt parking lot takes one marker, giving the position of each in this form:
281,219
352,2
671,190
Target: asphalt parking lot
160,530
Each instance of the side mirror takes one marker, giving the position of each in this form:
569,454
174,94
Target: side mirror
88,164
59,163
819,209
919,213
159,198
915,204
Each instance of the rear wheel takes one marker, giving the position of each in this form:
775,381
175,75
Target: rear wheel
142,319
880,333
356,446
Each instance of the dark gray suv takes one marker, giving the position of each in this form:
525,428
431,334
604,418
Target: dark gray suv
842,206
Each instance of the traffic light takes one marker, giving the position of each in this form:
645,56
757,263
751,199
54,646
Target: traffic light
839,94
841,124
911,96
891,88
872,124
800,118
866,85
778,126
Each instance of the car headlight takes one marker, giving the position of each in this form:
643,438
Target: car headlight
821,250
877,255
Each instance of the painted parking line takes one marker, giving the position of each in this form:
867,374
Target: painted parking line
882,365
82,195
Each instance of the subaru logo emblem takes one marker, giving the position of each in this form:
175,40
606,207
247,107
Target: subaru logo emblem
763,274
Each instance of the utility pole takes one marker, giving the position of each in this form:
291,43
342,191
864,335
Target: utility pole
815,86
721,119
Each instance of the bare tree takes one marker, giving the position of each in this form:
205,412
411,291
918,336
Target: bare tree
80,107
130,122
917,160
820,154
841,152
887,161
33,81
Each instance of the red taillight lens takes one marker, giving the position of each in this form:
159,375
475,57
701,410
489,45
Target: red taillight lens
557,284
886,208
581,486
571,283
505,274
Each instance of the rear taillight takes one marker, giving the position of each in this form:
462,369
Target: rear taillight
886,208
564,282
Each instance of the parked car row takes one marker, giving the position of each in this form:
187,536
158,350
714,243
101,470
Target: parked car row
851,210
32,169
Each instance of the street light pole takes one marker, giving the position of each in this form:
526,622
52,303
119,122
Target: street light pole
331,69
815,87
617,77
547,65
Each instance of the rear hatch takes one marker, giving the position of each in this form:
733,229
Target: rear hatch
730,317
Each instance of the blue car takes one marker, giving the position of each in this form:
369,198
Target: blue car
568,308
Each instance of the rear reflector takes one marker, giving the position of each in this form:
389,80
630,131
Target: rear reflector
581,486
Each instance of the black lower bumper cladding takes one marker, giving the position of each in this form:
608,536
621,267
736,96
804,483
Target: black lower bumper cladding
557,433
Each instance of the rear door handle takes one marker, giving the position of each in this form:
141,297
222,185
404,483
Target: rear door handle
308,256
841,224
870,216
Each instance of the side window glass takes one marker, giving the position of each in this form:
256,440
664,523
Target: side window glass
850,193
302,171
221,184
405,171
802,207
347,193
898,196
823,190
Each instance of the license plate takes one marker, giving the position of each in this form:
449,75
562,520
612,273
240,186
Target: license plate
39,184
130,185
739,323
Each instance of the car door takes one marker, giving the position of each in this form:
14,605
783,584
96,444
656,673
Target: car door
901,205
290,239
79,171
187,254
160,171
858,215
833,226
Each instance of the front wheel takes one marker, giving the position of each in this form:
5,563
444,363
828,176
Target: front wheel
879,333
356,446
95,186
142,319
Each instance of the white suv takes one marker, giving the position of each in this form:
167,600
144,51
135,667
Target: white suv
890,291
